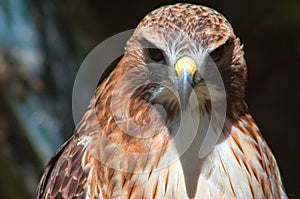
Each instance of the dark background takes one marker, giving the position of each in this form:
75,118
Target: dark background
43,42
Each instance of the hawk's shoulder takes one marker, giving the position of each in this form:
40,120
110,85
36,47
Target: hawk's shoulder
64,176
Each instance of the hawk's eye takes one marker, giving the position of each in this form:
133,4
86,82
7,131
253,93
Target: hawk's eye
156,54
217,54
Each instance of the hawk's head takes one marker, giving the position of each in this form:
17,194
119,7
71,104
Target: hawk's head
184,48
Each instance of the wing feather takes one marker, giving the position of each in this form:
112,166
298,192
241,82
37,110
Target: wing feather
64,176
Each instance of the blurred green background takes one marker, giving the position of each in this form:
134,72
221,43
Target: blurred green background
43,42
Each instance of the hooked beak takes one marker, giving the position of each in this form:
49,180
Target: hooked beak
186,69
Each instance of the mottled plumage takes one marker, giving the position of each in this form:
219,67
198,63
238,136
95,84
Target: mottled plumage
123,147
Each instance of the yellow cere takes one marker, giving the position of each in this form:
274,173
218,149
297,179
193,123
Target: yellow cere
186,64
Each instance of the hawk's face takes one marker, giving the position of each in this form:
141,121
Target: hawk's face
188,54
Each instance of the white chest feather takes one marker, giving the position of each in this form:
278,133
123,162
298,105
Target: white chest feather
225,172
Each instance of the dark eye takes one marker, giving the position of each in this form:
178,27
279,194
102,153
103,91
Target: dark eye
155,54
219,52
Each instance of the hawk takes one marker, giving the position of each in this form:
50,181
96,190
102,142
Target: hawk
155,126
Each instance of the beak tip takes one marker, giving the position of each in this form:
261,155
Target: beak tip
185,85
